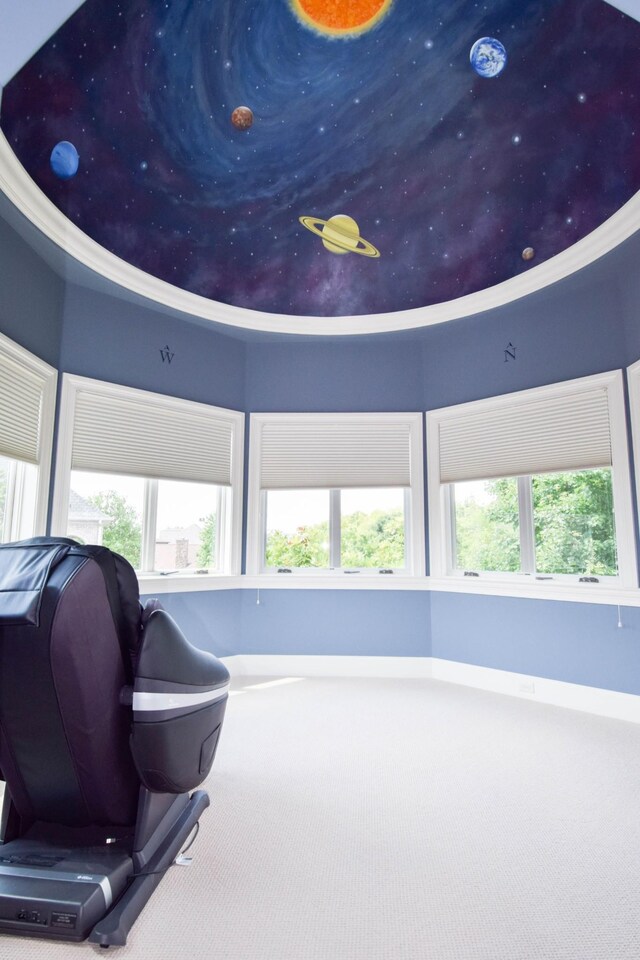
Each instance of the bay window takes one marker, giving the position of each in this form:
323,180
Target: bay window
335,493
154,478
27,406
533,484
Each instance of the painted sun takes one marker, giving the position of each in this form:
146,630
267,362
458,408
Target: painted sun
341,17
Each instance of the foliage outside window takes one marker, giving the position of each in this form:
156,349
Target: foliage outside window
297,528
157,525
321,529
570,530
121,528
486,525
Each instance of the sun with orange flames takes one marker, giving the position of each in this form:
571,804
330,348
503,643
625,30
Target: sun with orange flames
341,18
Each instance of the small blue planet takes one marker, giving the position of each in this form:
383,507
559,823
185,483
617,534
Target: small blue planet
488,57
64,160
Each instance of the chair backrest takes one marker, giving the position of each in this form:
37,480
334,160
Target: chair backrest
69,624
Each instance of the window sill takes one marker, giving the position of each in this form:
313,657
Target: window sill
334,581
153,583
572,592
537,590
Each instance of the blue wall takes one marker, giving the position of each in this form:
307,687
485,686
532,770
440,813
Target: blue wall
209,620
330,374
570,330
574,642
585,324
112,339
628,276
337,623
31,296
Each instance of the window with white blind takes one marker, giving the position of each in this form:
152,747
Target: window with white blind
27,408
533,484
335,493
633,379
155,478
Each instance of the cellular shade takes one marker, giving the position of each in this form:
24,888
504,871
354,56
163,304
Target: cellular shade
147,438
346,452
21,392
549,435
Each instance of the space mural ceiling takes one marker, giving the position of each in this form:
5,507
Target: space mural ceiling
326,158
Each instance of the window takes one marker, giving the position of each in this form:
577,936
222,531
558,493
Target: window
335,493
633,377
154,478
556,523
533,484
27,405
485,525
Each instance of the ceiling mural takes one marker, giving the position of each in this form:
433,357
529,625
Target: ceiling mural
325,158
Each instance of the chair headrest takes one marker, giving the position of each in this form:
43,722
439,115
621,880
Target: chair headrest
24,571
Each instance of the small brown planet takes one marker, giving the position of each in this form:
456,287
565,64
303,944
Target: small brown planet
242,118
340,234
528,253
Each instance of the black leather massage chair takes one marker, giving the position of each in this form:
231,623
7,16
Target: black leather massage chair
108,718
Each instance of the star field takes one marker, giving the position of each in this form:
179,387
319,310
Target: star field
449,175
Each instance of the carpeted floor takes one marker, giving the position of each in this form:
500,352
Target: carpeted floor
402,820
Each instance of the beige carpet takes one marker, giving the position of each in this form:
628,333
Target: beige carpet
402,820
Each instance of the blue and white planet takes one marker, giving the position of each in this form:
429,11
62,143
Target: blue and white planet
488,57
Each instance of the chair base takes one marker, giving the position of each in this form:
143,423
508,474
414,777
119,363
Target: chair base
113,929
58,892
70,892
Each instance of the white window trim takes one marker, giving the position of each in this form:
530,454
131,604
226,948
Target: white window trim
439,550
633,381
415,513
49,378
71,384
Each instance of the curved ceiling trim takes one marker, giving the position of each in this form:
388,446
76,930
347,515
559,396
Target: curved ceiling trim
35,205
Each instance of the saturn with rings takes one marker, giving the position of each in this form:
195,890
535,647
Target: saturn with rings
340,234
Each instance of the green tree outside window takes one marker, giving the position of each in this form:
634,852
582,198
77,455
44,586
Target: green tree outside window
207,546
573,525
124,534
373,539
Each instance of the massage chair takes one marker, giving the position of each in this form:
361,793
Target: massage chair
108,719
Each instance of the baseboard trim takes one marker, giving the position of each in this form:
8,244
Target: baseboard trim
293,665
558,693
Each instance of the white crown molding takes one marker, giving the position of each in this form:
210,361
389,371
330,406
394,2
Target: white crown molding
32,202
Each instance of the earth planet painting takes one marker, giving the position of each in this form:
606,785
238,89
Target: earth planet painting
371,116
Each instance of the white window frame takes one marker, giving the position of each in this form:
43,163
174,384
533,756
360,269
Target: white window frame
229,556
441,549
17,525
633,381
414,498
